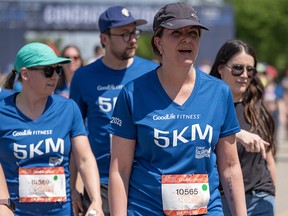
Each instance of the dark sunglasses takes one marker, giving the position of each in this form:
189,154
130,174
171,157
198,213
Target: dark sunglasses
75,58
49,70
238,69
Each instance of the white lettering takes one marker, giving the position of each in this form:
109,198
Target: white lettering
22,151
161,138
19,151
157,137
107,104
36,150
117,121
202,136
55,148
179,136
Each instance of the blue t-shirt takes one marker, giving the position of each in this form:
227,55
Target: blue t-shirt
172,138
44,142
95,88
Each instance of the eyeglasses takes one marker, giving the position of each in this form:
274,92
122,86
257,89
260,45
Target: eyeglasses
128,35
238,69
49,70
75,58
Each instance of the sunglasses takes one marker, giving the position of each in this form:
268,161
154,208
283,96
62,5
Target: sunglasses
49,70
238,69
75,58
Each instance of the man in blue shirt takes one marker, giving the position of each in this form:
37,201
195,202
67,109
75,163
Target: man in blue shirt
95,87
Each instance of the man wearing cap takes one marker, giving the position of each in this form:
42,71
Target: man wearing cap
95,87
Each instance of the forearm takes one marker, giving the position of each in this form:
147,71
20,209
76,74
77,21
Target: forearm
4,194
88,170
271,166
118,191
232,183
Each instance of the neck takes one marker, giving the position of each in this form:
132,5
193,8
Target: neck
30,106
117,64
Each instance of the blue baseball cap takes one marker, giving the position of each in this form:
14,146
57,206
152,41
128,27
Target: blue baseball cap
117,16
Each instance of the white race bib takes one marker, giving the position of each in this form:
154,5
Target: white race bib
186,194
42,184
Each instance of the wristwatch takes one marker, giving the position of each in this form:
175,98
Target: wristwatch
9,203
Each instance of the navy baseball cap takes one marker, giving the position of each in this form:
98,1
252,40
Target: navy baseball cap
176,16
117,16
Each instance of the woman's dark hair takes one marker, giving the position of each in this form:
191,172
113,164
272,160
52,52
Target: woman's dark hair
157,33
255,111
61,80
10,80
76,48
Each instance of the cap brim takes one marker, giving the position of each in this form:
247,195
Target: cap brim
58,60
138,22
181,23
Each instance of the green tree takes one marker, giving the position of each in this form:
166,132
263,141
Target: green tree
264,24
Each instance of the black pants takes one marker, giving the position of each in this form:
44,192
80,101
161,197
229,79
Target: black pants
104,196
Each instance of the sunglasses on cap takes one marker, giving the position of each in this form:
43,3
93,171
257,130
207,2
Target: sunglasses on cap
49,70
238,69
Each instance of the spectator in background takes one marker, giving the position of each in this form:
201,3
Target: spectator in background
95,87
235,64
284,84
274,93
98,53
73,53
174,131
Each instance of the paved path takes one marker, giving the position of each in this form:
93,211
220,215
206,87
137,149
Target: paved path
282,173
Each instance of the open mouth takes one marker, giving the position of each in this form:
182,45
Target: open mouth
185,51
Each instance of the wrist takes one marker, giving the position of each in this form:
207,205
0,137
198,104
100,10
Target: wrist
8,203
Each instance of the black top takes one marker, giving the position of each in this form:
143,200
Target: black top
255,172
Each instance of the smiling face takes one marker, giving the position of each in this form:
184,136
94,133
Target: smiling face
238,84
179,46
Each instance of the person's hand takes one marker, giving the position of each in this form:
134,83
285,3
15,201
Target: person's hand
97,207
5,211
252,142
77,202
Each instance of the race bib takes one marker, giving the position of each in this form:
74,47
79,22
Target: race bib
42,184
186,194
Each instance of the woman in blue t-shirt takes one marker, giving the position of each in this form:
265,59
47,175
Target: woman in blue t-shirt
39,131
174,131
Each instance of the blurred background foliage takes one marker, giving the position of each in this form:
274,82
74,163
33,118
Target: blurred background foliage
264,25
261,23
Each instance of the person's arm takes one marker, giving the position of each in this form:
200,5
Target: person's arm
4,194
88,169
231,175
120,169
76,196
271,166
252,142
